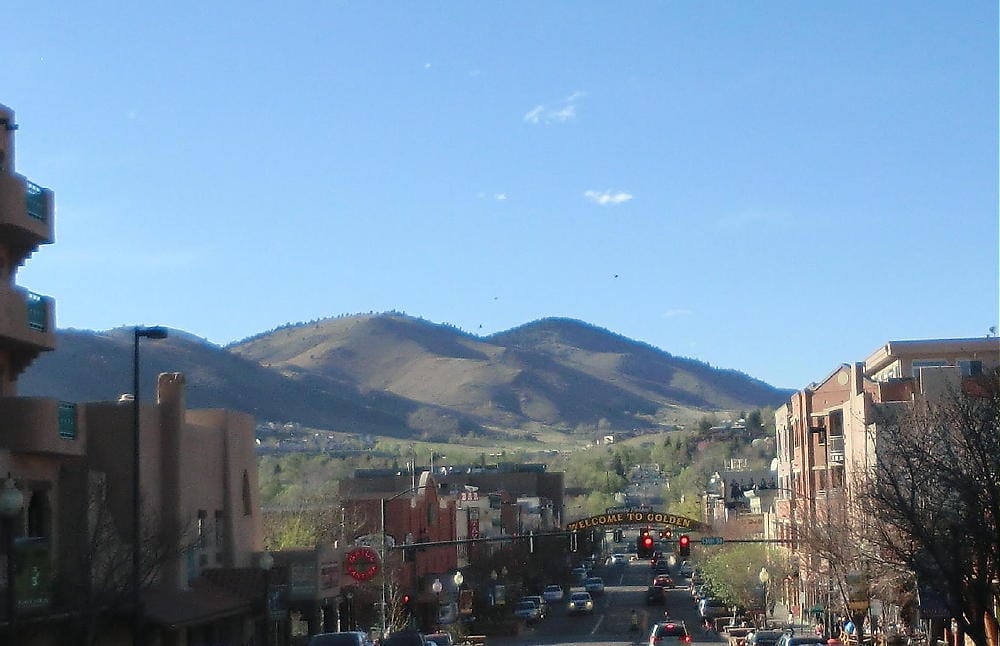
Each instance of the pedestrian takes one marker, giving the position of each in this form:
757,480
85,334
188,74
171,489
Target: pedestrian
633,622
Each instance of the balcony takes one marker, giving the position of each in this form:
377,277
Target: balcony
26,319
41,425
25,215
835,448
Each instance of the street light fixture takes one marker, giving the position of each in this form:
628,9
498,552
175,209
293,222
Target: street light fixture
11,504
137,619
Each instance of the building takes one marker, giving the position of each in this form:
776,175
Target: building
828,432
72,540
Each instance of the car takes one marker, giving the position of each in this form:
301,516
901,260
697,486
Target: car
552,593
632,556
787,639
580,573
539,600
527,610
405,637
594,585
686,569
764,637
712,608
580,602
661,568
619,559
669,632
350,638
655,596
663,581
441,639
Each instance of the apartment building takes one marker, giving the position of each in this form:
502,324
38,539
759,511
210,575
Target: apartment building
827,433
72,539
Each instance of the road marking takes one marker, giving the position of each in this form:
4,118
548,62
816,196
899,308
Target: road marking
597,625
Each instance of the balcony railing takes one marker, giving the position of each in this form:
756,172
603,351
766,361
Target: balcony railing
835,446
67,420
36,201
38,312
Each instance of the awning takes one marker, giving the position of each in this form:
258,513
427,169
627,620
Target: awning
203,603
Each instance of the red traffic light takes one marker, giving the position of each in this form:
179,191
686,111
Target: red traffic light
684,540
406,599
647,542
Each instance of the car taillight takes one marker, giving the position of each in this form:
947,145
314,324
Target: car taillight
655,639
686,639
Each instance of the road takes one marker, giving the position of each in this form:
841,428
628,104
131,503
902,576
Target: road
625,589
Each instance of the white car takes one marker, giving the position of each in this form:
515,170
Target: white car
580,602
527,610
619,559
594,585
552,593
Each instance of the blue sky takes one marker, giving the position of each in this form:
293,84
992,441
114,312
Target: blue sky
766,186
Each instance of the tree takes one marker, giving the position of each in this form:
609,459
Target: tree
94,582
935,490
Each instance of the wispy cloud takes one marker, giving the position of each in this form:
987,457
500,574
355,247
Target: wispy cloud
500,197
669,314
560,112
607,198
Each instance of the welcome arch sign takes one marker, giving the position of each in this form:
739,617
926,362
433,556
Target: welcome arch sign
636,518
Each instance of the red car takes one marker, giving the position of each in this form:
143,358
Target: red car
663,581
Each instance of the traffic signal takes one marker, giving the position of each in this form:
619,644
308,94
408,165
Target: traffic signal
666,534
684,545
644,545
407,604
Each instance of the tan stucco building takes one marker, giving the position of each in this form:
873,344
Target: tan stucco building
73,464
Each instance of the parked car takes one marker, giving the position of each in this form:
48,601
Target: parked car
351,638
655,596
594,585
764,637
405,637
538,600
441,639
664,633
580,602
527,610
787,639
552,593
711,608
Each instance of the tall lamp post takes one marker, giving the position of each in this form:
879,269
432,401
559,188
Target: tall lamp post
266,562
137,618
764,577
384,550
11,503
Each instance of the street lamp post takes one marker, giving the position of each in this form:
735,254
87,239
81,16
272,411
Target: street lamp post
266,562
437,587
383,551
764,577
11,503
137,618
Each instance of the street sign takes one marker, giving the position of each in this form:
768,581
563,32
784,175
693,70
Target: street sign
711,540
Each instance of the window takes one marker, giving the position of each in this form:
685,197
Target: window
219,527
971,368
202,517
247,499
925,363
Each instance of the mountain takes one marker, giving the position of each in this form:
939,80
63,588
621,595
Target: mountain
390,374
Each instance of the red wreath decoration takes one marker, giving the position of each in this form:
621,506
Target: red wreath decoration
362,563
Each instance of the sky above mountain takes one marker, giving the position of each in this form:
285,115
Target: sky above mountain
775,187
